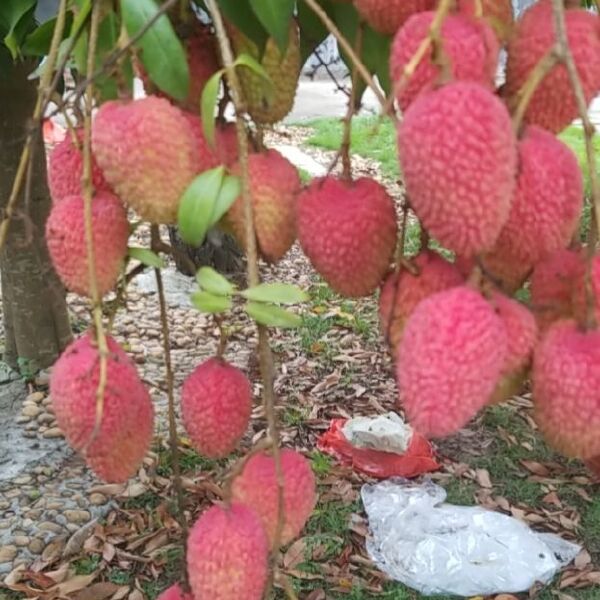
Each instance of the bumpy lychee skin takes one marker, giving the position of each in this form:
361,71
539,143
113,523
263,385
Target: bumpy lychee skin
65,237
224,151
175,593
553,105
451,355
227,554
470,45
547,202
274,187
348,232
147,153
125,432
522,335
387,16
257,488
216,402
566,389
459,176
552,284
497,13
402,292
269,103
65,168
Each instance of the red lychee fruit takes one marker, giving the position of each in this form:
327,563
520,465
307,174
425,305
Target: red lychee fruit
65,237
225,150
497,13
402,291
547,202
348,232
125,432
147,153
566,389
257,487
387,16
174,593
452,353
227,554
459,175
65,168
552,284
553,105
274,187
521,330
470,46
216,402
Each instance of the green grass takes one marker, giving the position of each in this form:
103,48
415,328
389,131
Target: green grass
574,137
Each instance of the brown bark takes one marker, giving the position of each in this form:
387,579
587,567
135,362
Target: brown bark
35,317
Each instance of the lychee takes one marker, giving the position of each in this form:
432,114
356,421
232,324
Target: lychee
387,16
459,175
521,330
147,153
553,105
497,13
547,202
65,237
269,102
65,168
452,353
227,554
348,232
274,186
216,402
225,150
403,291
566,389
470,46
125,432
174,593
257,487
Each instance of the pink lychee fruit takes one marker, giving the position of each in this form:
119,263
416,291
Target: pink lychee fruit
175,593
147,153
274,187
216,402
470,46
459,176
227,554
553,105
521,330
387,16
547,202
257,487
348,232
65,237
451,355
402,291
498,14
116,449
65,168
566,389
225,150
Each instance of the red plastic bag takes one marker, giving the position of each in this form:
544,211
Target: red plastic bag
418,458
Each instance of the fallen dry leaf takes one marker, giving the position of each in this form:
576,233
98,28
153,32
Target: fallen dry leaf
583,559
97,591
295,554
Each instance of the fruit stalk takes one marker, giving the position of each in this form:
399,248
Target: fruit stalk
264,349
46,89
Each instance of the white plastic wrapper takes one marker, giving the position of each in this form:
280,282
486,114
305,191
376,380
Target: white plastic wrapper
388,433
438,548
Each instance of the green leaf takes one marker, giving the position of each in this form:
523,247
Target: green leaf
245,60
211,281
282,293
272,316
275,15
146,257
38,42
197,206
313,32
230,191
243,17
209,303
163,55
210,93
17,17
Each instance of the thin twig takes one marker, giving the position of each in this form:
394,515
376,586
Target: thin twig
44,91
264,349
347,47
173,437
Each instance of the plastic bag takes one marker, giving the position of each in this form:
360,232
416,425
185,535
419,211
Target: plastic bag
417,459
439,548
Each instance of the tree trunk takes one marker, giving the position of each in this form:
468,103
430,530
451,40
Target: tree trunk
36,322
